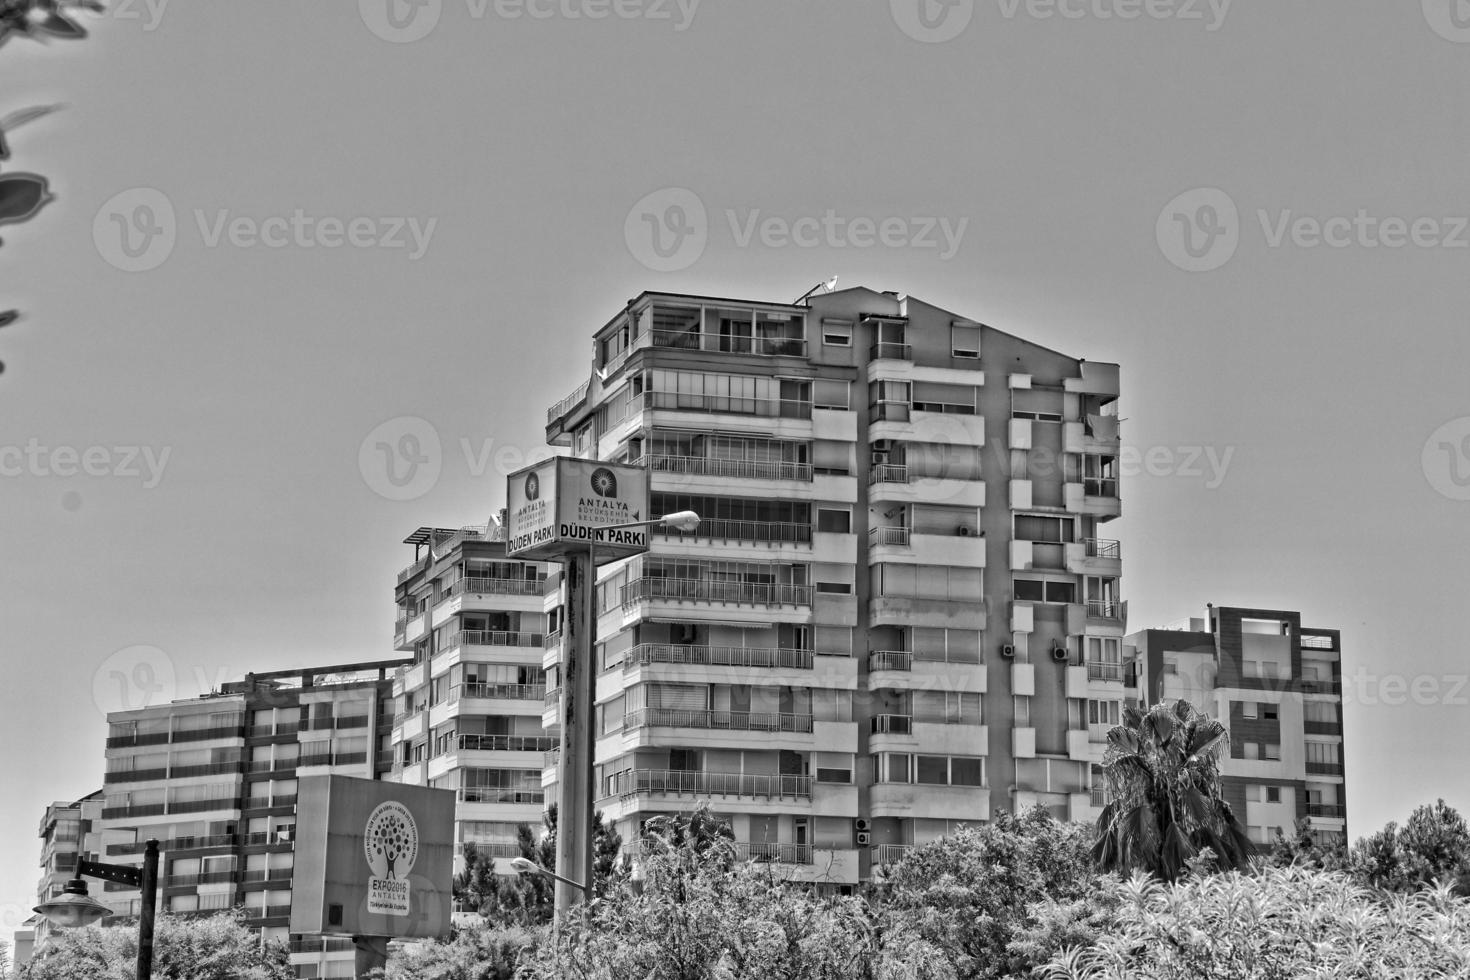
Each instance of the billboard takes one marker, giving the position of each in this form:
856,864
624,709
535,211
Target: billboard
565,504
372,858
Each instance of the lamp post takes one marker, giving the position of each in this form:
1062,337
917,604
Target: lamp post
575,788
74,907
527,867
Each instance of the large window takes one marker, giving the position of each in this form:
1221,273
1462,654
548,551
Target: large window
955,583
1055,530
930,770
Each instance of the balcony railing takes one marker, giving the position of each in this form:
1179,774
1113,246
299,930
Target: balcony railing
672,782
710,590
678,401
551,640
568,403
1103,609
1326,810
1102,548
135,810
1098,734
492,638
1311,642
718,656
881,854
888,473
1312,686
774,853
1098,796
891,536
174,844
509,692
890,660
495,848
236,730
721,529
1092,487
134,775
1098,670
492,794
137,738
725,343
733,469
744,721
498,586
506,743
1324,768
890,351
199,806
892,725
206,769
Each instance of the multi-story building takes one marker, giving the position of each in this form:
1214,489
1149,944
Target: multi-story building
1277,686
470,700
69,831
897,613
214,780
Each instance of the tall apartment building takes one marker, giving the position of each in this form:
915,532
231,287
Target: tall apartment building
471,697
68,831
897,614
1277,686
214,780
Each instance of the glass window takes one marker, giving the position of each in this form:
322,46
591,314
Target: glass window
932,770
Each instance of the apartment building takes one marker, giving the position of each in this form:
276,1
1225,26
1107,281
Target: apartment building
471,696
1277,686
898,613
214,780
69,831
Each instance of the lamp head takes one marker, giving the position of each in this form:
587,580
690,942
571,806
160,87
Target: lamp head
73,908
525,866
684,520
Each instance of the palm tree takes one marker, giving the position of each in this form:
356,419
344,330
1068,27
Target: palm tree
1162,768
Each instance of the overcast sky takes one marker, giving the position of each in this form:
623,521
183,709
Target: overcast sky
285,233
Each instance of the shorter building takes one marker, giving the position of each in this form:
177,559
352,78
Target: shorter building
1277,686
68,831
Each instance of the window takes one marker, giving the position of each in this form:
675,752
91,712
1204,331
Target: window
1029,591
834,588
1273,751
932,770
967,772
837,333
1322,752
1104,712
1053,530
964,340
1250,668
831,394
1270,712
1247,709
1273,794
1252,750
1321,711
834,521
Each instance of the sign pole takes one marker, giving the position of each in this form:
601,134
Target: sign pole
574,844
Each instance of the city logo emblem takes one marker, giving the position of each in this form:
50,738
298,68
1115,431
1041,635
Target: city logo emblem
604,483
533,486
391,841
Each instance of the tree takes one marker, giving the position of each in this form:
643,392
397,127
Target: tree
1432,846
1304,848
477,953
1162,769
215,947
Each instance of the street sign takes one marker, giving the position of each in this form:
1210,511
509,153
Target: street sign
564,504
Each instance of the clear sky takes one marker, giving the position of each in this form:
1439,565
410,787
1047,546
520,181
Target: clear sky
1068,155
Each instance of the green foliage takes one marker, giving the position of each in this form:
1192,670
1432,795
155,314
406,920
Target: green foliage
480,953
1162,768
972,894
216,947
1291,923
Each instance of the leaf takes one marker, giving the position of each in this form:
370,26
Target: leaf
21,196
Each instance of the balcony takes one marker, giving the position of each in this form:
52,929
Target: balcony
280,728
729,469
718,656
134,775
759,532
200,806
1103,548
881,854
506,692
892,725
137,738
710,590
494,848
1098,670
669,782
138,810
729,344
888,473
498,586
890,660
1104,609
174,844
676,401
1324,768
1311,727
1334,810
495,794
561,408
507,743
773,853
493,638
743,721
884,350
1312,686
896,537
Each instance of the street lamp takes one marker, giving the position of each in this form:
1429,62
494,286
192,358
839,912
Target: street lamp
575,790
74,907
528,867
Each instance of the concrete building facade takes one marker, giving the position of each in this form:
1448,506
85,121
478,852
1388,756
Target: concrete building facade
68,831
898,612
1277,687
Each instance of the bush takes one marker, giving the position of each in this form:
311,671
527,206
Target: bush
216,947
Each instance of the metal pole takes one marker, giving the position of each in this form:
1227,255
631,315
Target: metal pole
575,773
148,900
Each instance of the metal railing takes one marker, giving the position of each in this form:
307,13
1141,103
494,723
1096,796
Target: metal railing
681,401
552,639
891,351
1103,609
891,725
494,794
1310,642
673,782
492,638
506,743
890,660
893,536
729,344
1098,796
723,529
1098,670
1102,548
498,586
568,403
1325,768
710,590
494,848
735,469
1326,810
509,692
774,853
888,853
1312,726
718,656
744,721
888,473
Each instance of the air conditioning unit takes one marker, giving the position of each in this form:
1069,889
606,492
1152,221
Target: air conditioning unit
880,458
964,530
861,825
1007,650
1059,654
863,837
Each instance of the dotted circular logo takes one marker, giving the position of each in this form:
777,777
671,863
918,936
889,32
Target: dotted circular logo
604,482
391,840
134,677
401,21
932,21
401,459
1450,19
1446,459
667,230
136,229
1199,230
533,486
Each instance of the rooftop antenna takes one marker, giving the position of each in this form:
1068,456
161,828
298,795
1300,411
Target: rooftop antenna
830,286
